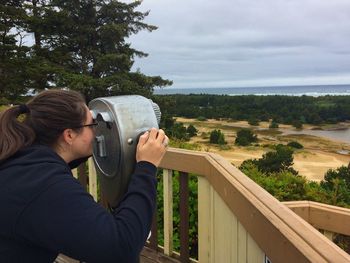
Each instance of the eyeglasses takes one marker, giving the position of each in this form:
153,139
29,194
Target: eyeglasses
91,125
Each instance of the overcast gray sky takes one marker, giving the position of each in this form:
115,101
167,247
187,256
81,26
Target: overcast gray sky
237,43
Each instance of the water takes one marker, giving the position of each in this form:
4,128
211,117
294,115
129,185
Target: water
337,135
315,90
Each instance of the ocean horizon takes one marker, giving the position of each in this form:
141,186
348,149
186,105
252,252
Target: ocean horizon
309,90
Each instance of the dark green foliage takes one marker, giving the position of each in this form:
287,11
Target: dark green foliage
191,130
273,125
282,109
178,131
297,124
81,45
286,186
13,53
167,122
276,161
201,118
283,185
245,137
295,145
338,183
253,121
217,137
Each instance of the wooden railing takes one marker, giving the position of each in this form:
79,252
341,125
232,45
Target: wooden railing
238,221
327,218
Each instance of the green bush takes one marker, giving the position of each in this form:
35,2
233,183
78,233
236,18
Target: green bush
283,185
253,122
295,145
277,161
217,137
178,131
337,183
297,124
245,137
273,125
201,118
191,130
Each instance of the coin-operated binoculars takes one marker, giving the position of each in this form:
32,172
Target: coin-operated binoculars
121,120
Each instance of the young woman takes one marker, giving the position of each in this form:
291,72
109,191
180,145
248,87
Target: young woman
44,209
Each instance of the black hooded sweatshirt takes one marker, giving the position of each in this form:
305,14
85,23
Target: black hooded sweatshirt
45,211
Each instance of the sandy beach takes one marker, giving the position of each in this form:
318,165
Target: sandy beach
319,154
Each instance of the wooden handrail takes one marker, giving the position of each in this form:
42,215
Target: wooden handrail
279,232
322,216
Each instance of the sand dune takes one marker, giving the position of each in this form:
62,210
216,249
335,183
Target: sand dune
318,155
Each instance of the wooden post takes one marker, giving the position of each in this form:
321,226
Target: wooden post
168,211
205,244
184,219
75,173
92,179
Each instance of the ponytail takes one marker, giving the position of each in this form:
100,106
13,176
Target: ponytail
46,116
14,134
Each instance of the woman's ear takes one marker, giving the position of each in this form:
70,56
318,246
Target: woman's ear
68,136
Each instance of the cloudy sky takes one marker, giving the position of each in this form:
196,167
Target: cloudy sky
238,43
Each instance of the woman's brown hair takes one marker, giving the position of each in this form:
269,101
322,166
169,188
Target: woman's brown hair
47,115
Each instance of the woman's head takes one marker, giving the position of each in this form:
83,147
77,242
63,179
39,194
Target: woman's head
47,115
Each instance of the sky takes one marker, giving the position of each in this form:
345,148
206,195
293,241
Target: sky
240,43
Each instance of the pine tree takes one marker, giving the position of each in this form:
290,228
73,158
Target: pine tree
81,45
13,53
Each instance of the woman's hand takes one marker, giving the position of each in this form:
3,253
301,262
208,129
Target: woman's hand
152,146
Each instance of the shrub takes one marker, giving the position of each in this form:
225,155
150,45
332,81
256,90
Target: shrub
217,137
273,125
337,182
191,130
253,122
178,131
245,137
295,145
201,118
297,124
276,161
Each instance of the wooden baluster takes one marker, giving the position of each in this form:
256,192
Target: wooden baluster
184,218
75,173
168,211
92,179
205,221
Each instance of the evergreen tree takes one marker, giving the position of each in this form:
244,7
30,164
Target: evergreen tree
278,161
82,45
13,53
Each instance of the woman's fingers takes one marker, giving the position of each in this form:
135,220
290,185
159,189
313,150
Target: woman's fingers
143,139
166,141
152,148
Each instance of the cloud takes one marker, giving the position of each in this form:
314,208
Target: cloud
229,42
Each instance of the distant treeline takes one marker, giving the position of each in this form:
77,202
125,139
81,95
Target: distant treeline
281,109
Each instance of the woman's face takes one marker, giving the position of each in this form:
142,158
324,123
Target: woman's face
82,145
